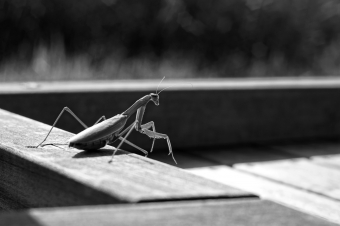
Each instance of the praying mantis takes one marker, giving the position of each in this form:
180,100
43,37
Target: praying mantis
106,131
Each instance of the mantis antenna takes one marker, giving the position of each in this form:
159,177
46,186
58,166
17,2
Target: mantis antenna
164,89
159,84
170,87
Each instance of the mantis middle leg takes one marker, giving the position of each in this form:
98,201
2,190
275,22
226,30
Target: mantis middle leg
123,140
127,129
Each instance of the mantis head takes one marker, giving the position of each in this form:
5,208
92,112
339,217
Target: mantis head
155,98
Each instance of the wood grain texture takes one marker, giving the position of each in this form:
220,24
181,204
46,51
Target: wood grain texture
236,213
302,200
212,112
51,176
300,173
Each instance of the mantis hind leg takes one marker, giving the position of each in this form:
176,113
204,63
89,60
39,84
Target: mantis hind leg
100,119
55,122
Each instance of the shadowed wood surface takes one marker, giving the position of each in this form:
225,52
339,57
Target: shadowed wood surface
221,212
51,176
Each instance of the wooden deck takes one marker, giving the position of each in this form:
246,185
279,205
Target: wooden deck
304,177
259,183
249,185
308,184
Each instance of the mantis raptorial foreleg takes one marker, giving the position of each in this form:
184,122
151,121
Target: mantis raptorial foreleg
148,126
155,135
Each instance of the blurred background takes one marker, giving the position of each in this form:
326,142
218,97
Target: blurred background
132,39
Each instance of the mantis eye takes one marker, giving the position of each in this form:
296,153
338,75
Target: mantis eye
154,97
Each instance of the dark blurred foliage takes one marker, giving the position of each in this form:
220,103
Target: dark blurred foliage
228,35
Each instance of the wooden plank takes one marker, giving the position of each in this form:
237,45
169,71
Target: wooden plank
7,203
151,84
300,173
322,153
243,154
241,213
310,149
331,161
250,110
52,176
308,202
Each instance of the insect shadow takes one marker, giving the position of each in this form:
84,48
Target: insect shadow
98,153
